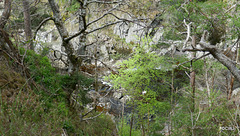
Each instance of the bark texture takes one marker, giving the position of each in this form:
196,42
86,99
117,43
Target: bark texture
218,54
75,61
27,23
6,13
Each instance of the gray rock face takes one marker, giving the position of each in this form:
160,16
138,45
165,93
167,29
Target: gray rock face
110,100
132,32
236,93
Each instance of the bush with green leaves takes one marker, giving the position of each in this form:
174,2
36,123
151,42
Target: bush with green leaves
55,84
37,112
210,15
146,78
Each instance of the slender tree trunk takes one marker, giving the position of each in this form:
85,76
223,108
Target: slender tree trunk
192,78
232,77
143,129
27,24
82,26
96,72
207,84
122,117
148,120
172,102
131,122
227,88
231,87
193,74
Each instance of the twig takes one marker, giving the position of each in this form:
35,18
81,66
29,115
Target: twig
108,12
187,74
233,44
12,57
231,8
40,25
127,20
194,59
73,36
64,132
107,25
92,117
104,2
100,61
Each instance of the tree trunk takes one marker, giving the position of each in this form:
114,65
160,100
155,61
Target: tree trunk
207,83
231,87
82,26
96,72
131,121
75,61
232,77
6,13
192,74
27,24
217,54
122,117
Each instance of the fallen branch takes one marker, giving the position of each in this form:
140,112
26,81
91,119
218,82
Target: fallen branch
193,50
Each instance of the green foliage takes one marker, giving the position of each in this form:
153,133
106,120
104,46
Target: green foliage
38,13
43,72
45,112
145,71
209,15
41,69
74,6
28,116
206,119
124,131
122,49
56,86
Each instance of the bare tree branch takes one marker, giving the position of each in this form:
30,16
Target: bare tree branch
233,6
73,36
92,117
194,59
188,32
40,25
127,20
217,54
104,2
102,15
107,25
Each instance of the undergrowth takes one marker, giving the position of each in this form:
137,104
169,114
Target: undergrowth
43,109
